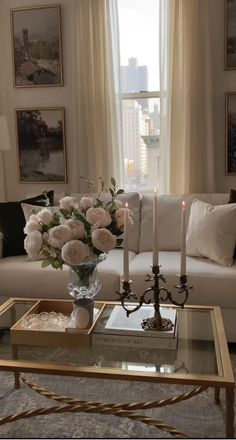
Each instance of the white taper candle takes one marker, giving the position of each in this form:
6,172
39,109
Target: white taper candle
183,240
155,261
126,250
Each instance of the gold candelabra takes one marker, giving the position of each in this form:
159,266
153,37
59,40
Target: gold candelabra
156,322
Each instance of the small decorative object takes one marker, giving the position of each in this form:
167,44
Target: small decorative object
41,144
230,34
157,322
51,321
230,132
36,44
83,313
78,235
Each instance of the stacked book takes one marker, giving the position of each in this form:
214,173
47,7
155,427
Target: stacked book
121,330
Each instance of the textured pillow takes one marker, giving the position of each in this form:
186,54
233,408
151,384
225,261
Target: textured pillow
29,209
12,223
232,199
232,196
212,232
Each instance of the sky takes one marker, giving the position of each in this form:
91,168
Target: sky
139,33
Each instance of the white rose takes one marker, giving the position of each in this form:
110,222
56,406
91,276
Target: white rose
121,220
86,203
67,203
33,243
99,216
59,235
121,212
32,225
103,239
76,226
74,252
45,216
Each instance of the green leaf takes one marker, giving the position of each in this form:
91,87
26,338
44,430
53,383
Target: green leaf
120,191
56,264
45,263
112,192
46,253
119,242
113,182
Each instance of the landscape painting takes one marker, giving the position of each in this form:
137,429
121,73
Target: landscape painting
230,133
36,41
41,145
230,34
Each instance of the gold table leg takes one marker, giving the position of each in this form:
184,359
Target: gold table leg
117,409
229,412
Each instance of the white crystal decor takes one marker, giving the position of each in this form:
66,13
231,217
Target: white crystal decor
51,321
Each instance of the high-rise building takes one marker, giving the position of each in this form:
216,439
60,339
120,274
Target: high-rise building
134,78
135,150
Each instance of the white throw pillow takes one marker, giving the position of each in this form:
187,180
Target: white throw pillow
212,232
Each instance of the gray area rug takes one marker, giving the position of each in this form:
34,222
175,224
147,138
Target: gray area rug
198,417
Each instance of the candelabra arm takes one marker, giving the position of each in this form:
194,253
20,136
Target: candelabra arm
157,322
128,294
183,288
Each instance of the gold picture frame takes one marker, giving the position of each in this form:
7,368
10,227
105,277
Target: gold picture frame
230,133
41,145
36,46
229,34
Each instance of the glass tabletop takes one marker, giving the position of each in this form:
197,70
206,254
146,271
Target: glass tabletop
198,351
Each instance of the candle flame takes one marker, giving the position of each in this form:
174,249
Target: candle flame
126,204
183,204
155,191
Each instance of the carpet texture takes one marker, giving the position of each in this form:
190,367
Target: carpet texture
198,417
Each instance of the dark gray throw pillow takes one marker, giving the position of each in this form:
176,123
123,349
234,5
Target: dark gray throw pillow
12,223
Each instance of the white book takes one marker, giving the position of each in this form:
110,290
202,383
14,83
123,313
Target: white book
119,323
133,341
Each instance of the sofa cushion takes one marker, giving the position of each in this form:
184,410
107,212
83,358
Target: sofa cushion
169,218
212,284
12,222
212,232
20,277
232,199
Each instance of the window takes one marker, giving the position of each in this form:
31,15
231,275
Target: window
139,72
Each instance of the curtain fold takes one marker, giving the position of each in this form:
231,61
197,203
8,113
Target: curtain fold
98,134
2,180
186,139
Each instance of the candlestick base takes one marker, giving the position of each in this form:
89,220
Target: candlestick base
153,324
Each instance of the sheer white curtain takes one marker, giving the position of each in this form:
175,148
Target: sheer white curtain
98,114
186,138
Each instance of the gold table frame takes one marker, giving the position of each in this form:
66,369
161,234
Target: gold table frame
202,382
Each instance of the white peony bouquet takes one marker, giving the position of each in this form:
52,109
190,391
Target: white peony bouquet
78,230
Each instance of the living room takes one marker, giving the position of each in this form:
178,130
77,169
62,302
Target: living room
63,112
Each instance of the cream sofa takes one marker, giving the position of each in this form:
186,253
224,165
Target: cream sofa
213,284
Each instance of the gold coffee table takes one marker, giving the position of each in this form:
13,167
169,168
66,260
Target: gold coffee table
201,360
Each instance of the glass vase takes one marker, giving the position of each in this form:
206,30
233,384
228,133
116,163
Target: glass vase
83,279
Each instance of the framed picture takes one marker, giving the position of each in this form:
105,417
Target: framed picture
36,46
230,123
230,34
41,145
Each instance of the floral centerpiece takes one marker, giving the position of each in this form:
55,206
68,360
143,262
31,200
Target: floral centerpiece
79,233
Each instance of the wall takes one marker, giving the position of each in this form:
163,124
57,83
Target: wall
223,81
67,95
11,98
